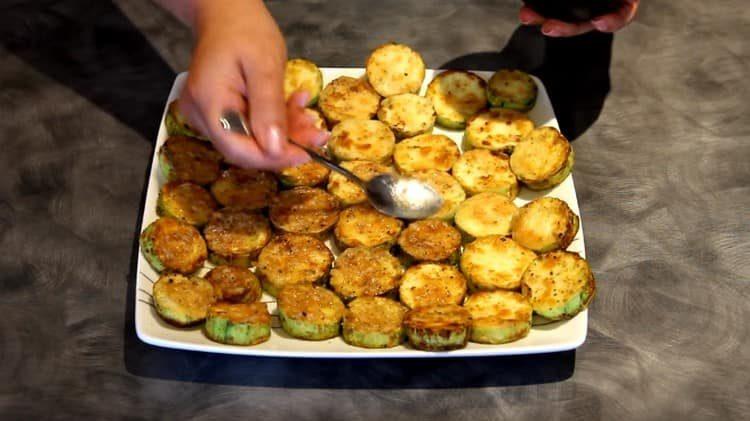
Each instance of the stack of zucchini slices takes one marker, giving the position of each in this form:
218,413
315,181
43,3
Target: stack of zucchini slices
477,270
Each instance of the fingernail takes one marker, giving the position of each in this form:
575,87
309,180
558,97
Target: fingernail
599,24
304,96
550,31
274,141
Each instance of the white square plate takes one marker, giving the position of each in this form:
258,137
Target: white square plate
151,329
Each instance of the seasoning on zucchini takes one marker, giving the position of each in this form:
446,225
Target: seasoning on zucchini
177,124
481,171
310,312
293,259
185,201
187,159
310,173
438,327
497,130
347,191
363,225
512,89
449,189
495,262
368,140
182,300
485,214
235,236
559,285
304,210
374,322
348,98
245,188
456,96
407,115
425,152
432,283
545,224
542,159
498,317
365,272
430,240
238,323
394,69
303,75
172,245
234,284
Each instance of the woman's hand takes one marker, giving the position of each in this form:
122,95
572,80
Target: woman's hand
238,64
606,23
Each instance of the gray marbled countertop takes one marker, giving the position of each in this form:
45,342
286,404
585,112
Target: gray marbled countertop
663,176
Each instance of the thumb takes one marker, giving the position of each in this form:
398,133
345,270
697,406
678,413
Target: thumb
265,89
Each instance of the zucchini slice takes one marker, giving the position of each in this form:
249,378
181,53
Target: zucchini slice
348,98
430,240
293,259
185,201
497,130
245,188
559,285
348,192
236,236
374,322
438,327
304,210
234,284
512,89
362,225
310,312
367,140
238,323
172,245
481,171
498,317
448,188
545,224
407,115
542,159
187,159
181,300
432,283
365,272
309,174
495,262
485,214
394,69
425,152
177,124
456,96
303,75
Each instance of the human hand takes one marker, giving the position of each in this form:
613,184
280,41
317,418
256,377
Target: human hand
611,22
238,64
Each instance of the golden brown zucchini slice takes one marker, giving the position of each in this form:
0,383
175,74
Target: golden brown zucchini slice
559,285
430,240
485,214
497,130
363,225
310,312
348,192
172,245
309,174
238,323
407,115
495,262
542,159
304,210
481,171
374,322
245,188
181,300
293,259
425,152
368,140
432,283
394,69
348,98
456,96
177,124
185,201
512,89
187,159
234,284
235,236
545,224
498,317
448,188
438,327
303,75
365,272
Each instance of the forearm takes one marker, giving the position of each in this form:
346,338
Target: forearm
190,11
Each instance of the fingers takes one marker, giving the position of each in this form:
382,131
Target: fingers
302,125
558,28
528,16
266,97
615,21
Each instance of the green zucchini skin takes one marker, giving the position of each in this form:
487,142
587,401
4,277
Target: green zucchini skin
556,179
374,322
304,329
310,312
438,327
177,125
429,340
238,323
512,89
181,300
373,339
147,248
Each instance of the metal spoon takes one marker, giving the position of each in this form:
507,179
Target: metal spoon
395,195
